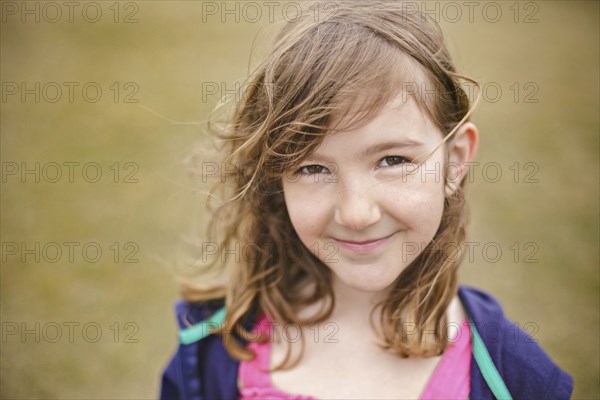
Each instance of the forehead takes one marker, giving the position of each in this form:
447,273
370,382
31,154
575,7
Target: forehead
400,120
404,83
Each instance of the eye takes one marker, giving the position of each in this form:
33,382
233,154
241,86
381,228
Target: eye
312,169
390,161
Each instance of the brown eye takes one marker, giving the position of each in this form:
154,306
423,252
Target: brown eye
312,169
391,161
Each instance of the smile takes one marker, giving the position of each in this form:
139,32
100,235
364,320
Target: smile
362,247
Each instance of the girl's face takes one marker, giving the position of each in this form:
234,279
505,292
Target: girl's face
353,203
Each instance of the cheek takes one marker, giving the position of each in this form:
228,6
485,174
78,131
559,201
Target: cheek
419,206
306,213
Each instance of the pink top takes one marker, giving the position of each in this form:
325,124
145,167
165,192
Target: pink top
451,378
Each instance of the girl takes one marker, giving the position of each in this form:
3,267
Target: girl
342,237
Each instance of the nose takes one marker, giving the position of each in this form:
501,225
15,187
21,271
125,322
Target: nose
356,207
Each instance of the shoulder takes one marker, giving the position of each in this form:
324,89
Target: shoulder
524,366
201,365
192,313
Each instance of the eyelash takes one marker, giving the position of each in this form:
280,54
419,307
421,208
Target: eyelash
403,160
301,169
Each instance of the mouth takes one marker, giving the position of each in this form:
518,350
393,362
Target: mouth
363,246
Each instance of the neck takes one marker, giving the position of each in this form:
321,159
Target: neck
353,307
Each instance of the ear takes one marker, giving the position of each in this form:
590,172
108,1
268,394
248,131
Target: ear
461,152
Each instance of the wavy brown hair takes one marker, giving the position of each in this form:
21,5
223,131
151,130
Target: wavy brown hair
349,64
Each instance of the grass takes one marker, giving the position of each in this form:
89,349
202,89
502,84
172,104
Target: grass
167,55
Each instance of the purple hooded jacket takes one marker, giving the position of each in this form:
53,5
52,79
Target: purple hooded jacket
203,370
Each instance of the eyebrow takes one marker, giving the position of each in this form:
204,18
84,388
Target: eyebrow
375,149
381,147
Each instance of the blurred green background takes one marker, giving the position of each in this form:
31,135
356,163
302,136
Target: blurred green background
539,63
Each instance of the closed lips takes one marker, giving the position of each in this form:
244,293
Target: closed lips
363,242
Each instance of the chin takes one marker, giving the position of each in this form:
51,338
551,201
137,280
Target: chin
369,288
365,283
